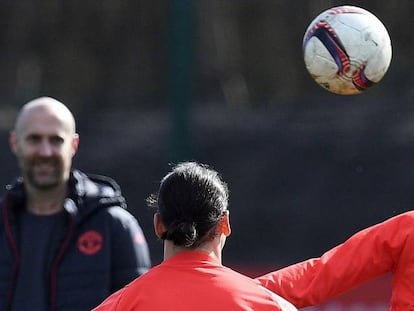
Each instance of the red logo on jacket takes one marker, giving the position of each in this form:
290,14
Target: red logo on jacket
90,242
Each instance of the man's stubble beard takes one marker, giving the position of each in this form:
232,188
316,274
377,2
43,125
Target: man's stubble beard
28,168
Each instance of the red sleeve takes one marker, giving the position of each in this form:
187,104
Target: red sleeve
369,253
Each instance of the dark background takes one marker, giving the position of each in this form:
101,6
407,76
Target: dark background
222,82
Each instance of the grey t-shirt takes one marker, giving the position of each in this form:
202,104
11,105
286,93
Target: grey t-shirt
32,282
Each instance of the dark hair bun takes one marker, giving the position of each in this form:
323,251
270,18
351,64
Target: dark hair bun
182,233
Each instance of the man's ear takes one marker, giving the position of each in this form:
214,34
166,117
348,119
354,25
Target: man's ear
225,224
13,141
75,143
158,225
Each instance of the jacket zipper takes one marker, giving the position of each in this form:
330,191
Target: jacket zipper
55,264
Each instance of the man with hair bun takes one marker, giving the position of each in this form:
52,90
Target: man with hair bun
192,218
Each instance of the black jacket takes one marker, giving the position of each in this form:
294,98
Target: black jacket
100,249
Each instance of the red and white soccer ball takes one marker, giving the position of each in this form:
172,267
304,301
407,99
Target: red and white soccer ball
347,50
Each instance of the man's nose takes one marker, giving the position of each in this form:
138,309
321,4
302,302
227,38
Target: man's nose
45,149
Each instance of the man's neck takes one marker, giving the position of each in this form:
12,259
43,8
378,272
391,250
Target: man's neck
46,202
212,248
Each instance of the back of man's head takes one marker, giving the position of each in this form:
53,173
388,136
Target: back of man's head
191,201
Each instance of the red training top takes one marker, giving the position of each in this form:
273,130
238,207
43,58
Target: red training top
377,250
193,281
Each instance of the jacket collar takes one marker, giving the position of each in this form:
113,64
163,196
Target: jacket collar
86,193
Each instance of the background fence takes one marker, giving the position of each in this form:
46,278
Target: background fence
222,82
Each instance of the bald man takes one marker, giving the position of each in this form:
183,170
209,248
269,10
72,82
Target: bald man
66,238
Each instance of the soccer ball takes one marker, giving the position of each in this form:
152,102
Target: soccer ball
347,50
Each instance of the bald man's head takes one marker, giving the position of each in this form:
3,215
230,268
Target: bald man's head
44,141
47,105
